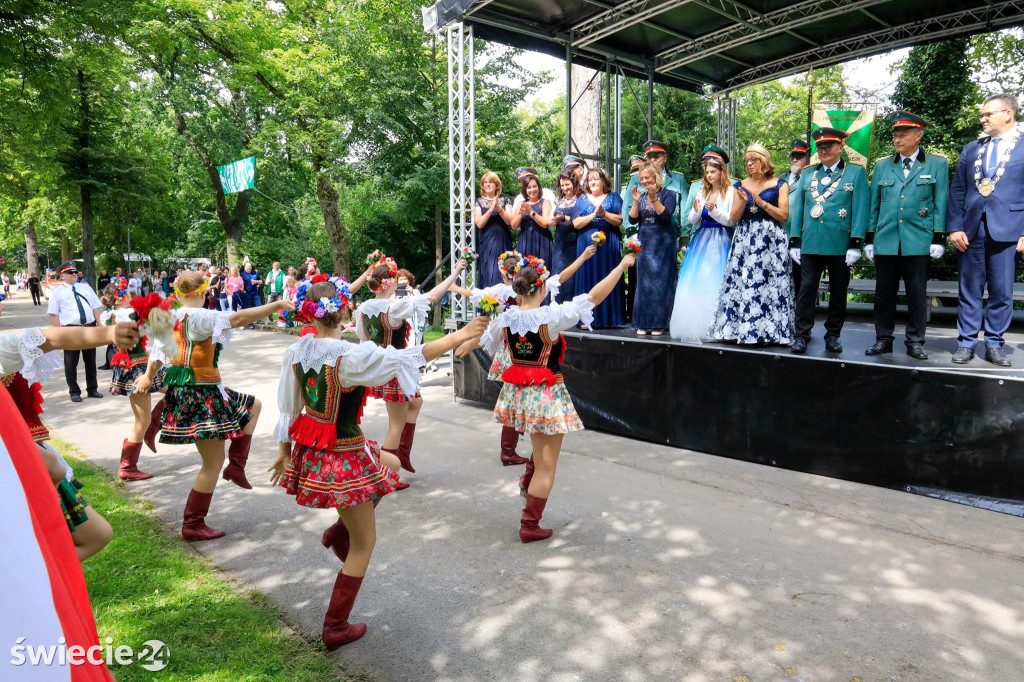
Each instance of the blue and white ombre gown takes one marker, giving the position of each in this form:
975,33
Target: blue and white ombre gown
700,276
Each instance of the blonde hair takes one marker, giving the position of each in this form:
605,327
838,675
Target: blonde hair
492,177
654,171
724,181
188,282
758,150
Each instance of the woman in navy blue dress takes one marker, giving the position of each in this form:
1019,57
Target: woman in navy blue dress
567,189
600,210
656,264
533,219
492,215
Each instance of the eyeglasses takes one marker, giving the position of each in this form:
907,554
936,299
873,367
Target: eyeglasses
990,114
70,272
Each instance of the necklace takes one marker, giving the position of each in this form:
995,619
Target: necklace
819,199
988,185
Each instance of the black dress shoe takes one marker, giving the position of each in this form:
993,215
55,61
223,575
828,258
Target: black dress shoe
799,347
94,394
75,398
963,355
917,351
997,357
834,345
879,348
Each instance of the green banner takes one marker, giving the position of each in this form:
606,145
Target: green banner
856,123
238,176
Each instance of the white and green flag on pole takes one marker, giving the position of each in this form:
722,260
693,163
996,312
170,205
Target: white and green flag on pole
857,125
238,176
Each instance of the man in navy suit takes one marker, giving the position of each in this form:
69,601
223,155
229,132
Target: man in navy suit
985,222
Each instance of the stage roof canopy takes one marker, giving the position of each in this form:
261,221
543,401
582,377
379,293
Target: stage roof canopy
724,44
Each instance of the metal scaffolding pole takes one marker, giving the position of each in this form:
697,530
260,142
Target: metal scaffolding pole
461,153
568,97
650,102
617,180
607,115
727,128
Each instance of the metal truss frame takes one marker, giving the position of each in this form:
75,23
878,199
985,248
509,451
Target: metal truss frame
986,18
461,152
727,128
619,17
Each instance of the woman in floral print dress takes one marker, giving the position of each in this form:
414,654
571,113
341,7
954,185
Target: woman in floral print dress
331,464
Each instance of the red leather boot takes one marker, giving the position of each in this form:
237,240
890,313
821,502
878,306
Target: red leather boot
238,455
194,526
155,422
129,470
529,527
509,440
337,629
405,446
400,485
335,538
524,480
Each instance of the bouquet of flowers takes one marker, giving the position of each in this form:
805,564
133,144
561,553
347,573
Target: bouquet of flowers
155,319
467,254
372,258
491,306
632,245
599,238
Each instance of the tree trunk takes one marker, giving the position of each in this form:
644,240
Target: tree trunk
88,260
337,235
66,253
438,254
586,115
31,246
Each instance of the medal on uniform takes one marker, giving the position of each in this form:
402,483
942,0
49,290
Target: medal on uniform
842,213
986,187
923,213
817,211
826,180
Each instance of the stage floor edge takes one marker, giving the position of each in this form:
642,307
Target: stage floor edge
932,428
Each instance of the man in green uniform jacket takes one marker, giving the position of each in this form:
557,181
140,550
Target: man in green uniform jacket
828,220
907,225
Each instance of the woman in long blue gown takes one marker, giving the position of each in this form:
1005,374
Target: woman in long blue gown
533,219
492,215
656,264
700,277
600,210
566,235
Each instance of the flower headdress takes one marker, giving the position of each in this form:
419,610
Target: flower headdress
392,273
505,256
307,310
198,291
538,265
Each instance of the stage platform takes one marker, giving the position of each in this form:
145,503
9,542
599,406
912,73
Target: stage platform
928,427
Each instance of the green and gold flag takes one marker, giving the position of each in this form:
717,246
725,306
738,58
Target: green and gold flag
856,123
238,176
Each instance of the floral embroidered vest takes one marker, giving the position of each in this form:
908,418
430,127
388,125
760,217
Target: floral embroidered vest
196,362
29,400
536,359
383,333
332,412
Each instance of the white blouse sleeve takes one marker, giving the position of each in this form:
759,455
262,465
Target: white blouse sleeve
694,217
204,324
567,315
361,331
500,291
492,336
21,352
404,308
723,208
289,398
553,284
367,364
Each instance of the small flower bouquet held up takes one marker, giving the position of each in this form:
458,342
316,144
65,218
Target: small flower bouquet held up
491,306
467,254
631,245
599,238
374,257
155,319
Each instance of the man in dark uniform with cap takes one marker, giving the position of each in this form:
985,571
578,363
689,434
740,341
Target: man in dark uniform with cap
797,163
906,226
828,220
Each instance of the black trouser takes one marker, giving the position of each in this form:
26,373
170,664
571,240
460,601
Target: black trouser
630,293
811,268
35,297
913,270
71,367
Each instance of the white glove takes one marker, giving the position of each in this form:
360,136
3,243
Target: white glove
937,250
869,251
852,256
795,255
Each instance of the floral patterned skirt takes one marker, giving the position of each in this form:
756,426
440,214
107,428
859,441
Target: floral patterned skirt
194,413
122,382
345,476
72,503
546,409
502,361
391,392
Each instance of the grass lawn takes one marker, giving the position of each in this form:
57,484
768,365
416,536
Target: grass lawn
144,586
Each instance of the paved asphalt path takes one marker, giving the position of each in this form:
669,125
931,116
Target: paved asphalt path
666,564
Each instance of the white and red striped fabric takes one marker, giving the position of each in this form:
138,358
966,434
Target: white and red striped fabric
43,596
